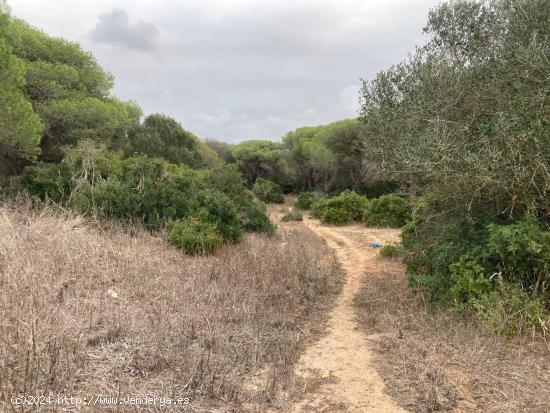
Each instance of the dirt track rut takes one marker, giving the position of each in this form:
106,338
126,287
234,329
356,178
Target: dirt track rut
341,360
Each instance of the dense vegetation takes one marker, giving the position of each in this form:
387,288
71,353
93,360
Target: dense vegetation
341,209
327,158
463,124
452,144
66,139
268,191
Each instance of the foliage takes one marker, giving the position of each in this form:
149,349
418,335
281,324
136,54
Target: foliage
305,200
346,207
57,68
376,188
163,137
390,251
148,190
69,121
21,128
523,249
48,181
429,256
313,163
218,209
504,307
468,283
194,236
477,89
222,149
463,125
508,310
261,159
252,214
388,210
293,216
268,191
70,92
336,216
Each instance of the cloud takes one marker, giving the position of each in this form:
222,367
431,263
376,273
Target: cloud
115,28
240,69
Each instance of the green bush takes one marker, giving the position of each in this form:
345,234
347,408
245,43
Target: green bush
218,209
48,181
341,209
429,256
252,215
508,310
388,211
337,216
390,251
523,249
468,283
194,236
305,200
268,191
150,191
293,216
455,265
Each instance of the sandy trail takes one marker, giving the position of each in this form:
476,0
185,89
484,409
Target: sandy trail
341,360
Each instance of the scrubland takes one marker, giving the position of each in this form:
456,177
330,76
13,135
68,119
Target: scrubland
88,308
436,361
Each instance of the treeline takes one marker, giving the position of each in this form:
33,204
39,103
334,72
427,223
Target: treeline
65,138
461,128
57,95
328,158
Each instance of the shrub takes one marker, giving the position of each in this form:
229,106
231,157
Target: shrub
429,257
390,251
194,236
337,216
293,216
387,210
252,215
509,310
48,181
343,208
468,283
148,190
523,249
268,191
305,200
218,209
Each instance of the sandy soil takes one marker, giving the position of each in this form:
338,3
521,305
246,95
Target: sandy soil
338,369
382,351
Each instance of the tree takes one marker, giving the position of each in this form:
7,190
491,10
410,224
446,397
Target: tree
468,113
345,139
261,159
70,92
313,164
162,136
57,68
223,149
20,129
70,120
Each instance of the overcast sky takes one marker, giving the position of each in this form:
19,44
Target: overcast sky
238,69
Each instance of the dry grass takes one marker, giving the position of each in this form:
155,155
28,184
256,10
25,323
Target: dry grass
86,309
433,361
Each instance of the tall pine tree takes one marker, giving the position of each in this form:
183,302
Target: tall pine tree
20,127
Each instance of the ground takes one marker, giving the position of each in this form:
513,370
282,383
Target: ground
340,364
387,350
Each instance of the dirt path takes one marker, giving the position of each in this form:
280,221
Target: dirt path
341,360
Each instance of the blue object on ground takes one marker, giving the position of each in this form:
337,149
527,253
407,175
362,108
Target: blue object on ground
376,244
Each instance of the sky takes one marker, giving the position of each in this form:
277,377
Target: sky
235,70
